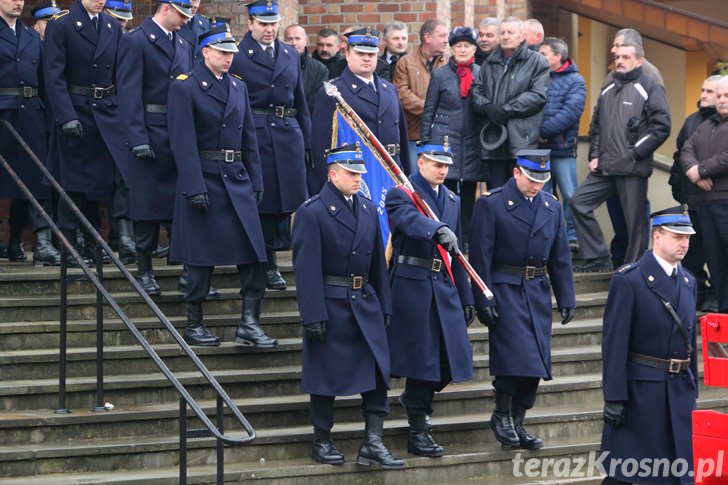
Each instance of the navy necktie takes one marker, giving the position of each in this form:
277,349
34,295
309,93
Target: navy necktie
95,23
269,51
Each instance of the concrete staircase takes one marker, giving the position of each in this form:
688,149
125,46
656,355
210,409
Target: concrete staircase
137,442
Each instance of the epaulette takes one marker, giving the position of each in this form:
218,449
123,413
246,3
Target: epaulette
627,268
182,77
133,30
487,194
315,197
493,191
235,75
552,195
60,14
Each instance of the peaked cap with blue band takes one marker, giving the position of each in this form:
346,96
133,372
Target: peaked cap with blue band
535,164
219,38
45,11
675,219
363,40
436,149
264,10
349,157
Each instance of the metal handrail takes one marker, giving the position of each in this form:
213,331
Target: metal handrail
221,394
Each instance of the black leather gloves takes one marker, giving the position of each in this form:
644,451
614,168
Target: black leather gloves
200,202
567,315
488,316
143,152
72,128
316,331
469,313
615,413
496,114
447,239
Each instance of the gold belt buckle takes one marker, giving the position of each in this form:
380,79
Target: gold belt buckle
357,282
436,265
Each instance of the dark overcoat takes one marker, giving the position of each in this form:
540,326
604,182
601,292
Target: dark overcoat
659,403
21,66
328,239
381,111
427,307
191,31
282,141
505,230
77,55
148,64
211,115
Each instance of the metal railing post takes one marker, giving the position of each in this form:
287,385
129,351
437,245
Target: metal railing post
99,333
182,441
62,330
220,445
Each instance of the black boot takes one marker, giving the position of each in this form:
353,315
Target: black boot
249,332
72,237
127,250
324,450
15,250
419,441
213,294
403,401
145,276
372,449
501,421
527,441
44,253
273,278
89,250
195,332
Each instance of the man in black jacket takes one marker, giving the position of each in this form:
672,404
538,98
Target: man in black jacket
695,258
327,51
631,121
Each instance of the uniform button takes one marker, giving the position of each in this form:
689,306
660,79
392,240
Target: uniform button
94,105
18,60
95,66
353,252
224,176
224,125
272,85
351,275
108,66
21,82
364,296
434,277
22,106
380,122
353,297
240,127
273,124
34,61
171,77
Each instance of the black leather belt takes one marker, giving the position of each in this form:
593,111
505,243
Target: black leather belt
392,148
528,272
434,265
673,366
95,93
227,156
25,91
155,108
277,111
353,282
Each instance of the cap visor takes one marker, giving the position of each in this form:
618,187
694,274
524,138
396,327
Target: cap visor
184,11
366,48
121,15
268,19
224,46
679,229
437,158
539,177
353,167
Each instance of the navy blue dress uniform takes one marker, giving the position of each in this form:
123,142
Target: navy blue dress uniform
41,14
650,369
343,292
22,105
282,125
80,62
192,30
379,108
215,221
520,249
428,338
149,62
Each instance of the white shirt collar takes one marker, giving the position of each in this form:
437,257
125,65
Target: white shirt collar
90,15
667,267
166,32
365,80
264,47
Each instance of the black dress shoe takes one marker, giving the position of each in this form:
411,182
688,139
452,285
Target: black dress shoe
372,450
324,451
161,251
15,251
148,284
419,441
200,336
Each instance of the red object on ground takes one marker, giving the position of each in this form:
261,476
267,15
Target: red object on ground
710,428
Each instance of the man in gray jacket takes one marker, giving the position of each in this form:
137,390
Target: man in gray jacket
630,122
511,93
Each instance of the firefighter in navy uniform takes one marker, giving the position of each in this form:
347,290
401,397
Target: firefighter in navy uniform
272,71
21,93
519,247
344,299
42,13
650,369
219,183
375,101
152,57
80,65
428,337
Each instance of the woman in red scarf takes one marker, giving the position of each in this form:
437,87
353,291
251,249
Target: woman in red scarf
447,113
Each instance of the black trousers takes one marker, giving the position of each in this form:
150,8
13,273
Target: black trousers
276,231
372,402
713,220
418,394
23,213
521,389
694,260
199,278
466,190
146,235
119,205
67,219
499,171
